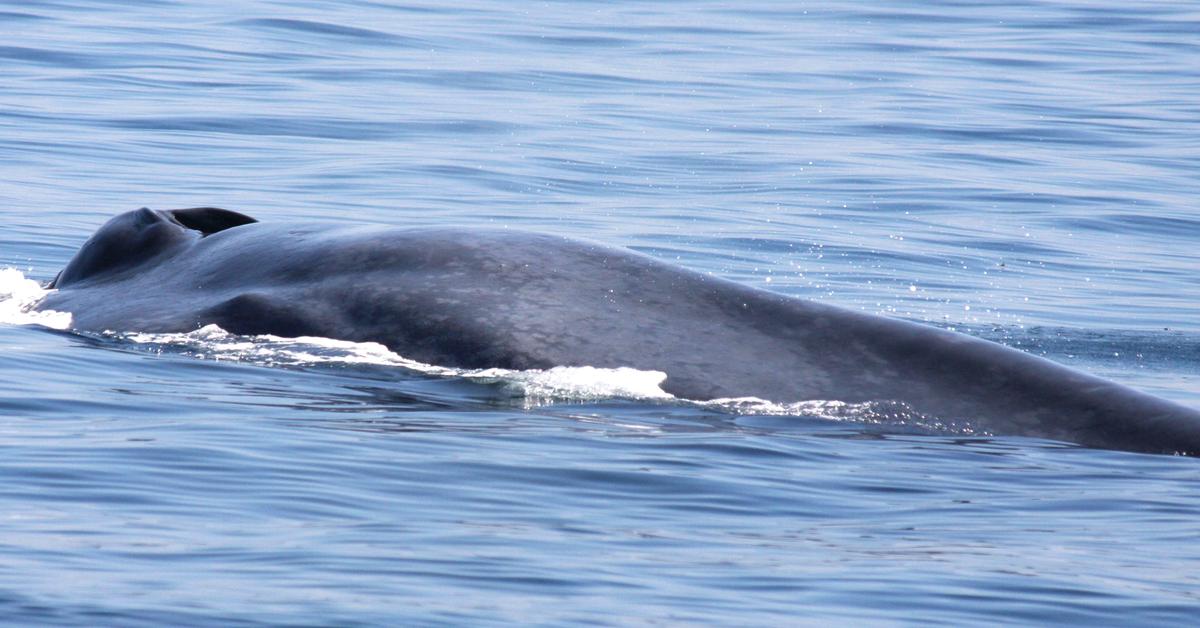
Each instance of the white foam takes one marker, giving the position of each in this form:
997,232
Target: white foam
18,297
534,385
578,383
213,343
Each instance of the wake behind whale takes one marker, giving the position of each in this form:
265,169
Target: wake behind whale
480,299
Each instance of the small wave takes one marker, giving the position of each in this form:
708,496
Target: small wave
535,386
18,297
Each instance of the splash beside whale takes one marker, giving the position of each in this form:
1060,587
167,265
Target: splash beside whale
475,298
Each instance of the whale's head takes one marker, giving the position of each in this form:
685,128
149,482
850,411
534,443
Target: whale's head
135,238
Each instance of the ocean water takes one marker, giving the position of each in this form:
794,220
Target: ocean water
1022,171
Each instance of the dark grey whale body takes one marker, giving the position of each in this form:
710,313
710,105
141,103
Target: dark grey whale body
479,299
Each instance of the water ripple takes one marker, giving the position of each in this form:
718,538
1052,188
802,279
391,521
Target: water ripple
1022,171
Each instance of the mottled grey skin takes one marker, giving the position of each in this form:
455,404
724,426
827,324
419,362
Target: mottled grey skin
496,298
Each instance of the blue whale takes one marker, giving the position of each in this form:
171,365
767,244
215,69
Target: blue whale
497,298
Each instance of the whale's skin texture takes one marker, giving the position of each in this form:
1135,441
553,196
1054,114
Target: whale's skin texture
476,298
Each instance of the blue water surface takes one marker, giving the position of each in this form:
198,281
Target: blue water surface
1023,171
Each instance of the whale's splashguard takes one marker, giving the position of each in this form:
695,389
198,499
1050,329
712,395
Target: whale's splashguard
18,299
498,299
